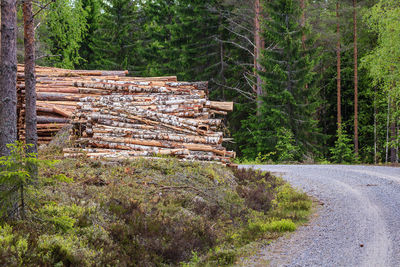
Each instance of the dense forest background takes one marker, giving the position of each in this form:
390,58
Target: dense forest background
311,80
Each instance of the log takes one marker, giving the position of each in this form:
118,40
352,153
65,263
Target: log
154,135
107,122
167,144
191,124
119,117
146,98
63,112
218,112
112,154
137,88
49,72
58,97
72,104
51,125
208,158
223,106
110,115
42,89
48,119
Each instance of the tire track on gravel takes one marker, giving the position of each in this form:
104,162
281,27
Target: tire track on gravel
357,226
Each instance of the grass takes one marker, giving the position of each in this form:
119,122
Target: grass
149,213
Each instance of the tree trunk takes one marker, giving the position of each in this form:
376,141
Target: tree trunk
393,158
339,109
30,79
355,79
375,131
387,129
8,79
257,53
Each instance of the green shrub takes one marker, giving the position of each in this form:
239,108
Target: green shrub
223,257
63,218
342,152
291,204
258,228
150,213
259,224
12,247
66,249
257,188
286,148
284,225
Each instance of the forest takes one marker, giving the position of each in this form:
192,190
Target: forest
311,80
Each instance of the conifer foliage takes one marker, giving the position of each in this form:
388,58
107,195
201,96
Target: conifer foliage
181,39
218,41
92,10
116,38
289,100
63,32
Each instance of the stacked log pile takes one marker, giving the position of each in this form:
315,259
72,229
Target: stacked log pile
57,96
116,117
146,118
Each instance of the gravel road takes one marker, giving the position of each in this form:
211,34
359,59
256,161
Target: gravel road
358,222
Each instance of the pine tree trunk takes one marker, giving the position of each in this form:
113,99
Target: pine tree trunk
375,131
355,79
339,109
8,79
257,52
30,79
397,144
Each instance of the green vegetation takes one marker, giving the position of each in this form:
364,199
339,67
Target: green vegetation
295,116
342,152
148,212
18,185
284,123
62,34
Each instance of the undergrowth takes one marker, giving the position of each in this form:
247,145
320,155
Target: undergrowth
149,213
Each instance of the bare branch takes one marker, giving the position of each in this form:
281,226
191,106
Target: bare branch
243,93
43,7
48,56
240,35
37,26
237,45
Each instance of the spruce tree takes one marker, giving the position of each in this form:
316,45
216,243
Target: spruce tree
93,12
289,102
193,32
182,39
116,38
63,32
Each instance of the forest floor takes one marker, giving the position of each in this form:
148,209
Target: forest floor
356,223
149,212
